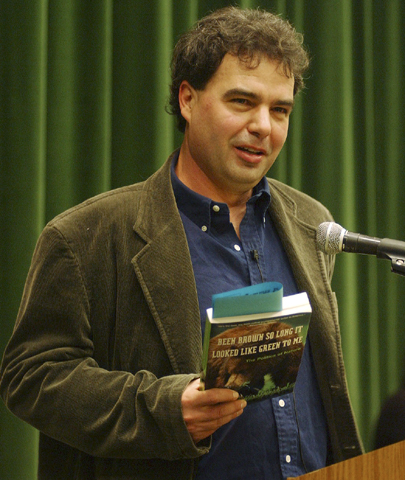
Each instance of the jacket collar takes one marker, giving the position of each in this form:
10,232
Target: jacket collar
165,272
312,274
299,240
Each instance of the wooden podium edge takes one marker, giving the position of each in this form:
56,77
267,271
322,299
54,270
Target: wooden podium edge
387,463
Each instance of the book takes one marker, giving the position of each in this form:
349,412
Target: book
256,354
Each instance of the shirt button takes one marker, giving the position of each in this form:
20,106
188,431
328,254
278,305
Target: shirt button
215,208
288,458
204,228
237,248
281,403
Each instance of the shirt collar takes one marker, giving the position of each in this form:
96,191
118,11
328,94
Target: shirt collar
199,209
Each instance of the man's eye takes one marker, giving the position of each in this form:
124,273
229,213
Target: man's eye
283,110
241,101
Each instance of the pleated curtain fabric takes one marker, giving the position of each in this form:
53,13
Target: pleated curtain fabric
84,85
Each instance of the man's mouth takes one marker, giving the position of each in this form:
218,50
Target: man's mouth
251,150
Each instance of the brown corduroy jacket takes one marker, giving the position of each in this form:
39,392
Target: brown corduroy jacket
108,335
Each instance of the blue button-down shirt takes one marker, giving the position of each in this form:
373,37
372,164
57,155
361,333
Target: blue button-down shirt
275,438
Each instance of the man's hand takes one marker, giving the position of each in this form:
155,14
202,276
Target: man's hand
206,411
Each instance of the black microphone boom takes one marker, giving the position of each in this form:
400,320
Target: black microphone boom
332,238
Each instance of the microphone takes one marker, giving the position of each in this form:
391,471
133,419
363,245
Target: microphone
332,238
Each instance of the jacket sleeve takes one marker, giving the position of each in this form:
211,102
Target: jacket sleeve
49,376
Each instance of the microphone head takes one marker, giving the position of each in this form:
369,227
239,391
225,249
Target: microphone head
329,238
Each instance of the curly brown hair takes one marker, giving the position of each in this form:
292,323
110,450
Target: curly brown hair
248,34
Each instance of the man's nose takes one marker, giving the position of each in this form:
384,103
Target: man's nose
260,124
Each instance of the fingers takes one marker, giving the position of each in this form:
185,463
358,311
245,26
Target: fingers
206,411
214,417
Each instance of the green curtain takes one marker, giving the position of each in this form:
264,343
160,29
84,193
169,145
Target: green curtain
83,91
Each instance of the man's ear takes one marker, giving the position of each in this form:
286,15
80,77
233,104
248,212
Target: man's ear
187,95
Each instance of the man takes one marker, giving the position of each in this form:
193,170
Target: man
106,353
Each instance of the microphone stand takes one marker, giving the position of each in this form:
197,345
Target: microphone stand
393,250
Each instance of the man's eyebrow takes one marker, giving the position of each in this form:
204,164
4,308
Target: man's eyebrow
235,92
285,103
238,92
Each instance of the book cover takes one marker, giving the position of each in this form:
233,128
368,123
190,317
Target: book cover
259,354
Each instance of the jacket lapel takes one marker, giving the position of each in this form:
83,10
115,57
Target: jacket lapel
298,236
298,239
312,274
164,270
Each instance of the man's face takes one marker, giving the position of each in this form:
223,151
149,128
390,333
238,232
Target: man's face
236,126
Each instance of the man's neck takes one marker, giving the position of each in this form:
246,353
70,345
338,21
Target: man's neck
195,179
